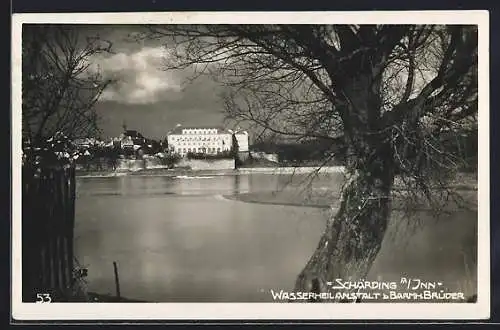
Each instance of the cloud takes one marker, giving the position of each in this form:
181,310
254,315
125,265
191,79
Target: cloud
139,77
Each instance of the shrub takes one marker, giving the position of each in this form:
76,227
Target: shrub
170,159
202,156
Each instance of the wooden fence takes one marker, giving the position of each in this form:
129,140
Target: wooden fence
47,232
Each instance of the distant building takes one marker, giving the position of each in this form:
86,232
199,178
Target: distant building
203,140
242,140
131,140
82,143
85,143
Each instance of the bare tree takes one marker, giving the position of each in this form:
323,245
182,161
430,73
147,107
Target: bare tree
59,88
390,92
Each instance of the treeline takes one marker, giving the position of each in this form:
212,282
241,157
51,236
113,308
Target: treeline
97,157
314,152
461,145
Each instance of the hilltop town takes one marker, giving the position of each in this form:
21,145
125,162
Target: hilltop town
186,146
182,141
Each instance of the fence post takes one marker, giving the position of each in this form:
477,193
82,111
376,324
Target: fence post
47,229
117,280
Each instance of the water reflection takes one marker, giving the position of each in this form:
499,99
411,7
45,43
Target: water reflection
148,185
177,239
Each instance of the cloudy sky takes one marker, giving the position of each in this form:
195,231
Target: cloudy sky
145,97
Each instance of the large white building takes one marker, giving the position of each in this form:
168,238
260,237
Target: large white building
242,140
205,140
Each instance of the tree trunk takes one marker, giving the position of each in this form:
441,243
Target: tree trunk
354,235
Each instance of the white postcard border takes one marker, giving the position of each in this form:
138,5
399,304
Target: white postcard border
259,311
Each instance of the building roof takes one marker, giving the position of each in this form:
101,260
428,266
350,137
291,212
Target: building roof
178,129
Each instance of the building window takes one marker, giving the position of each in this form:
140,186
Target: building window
183,149
218,149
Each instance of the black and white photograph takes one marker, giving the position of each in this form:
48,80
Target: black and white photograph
250,165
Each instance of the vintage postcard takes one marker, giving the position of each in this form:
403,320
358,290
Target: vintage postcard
250,166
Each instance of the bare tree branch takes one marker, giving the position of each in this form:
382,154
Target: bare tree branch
392,93
59,89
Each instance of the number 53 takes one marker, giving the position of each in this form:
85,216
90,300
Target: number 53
43,298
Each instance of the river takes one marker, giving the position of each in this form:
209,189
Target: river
178,239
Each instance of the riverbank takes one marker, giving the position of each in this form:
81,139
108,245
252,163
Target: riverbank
292,170
325,198
154,172
159,171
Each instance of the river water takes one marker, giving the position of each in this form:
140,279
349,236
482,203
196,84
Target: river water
178,239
